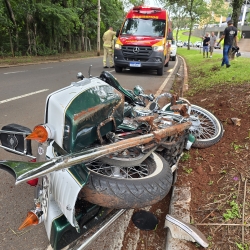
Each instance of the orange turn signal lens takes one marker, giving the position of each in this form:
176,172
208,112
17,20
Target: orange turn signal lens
30,220
39,134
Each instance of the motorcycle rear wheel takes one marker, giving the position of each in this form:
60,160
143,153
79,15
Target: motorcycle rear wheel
128,187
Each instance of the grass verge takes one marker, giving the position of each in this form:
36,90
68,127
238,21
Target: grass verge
206,73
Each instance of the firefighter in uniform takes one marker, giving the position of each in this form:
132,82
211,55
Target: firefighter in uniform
108,47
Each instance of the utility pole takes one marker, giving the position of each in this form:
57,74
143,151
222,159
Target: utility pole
98,28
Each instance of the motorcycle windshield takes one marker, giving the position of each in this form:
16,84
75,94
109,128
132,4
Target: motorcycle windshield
144,27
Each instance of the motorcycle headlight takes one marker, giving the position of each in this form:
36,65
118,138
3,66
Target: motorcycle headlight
158,48
118,46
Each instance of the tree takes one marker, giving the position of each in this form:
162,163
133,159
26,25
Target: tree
178,17
236,5
12,28
46,27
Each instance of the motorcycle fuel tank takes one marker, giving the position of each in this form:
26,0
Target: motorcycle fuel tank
83,112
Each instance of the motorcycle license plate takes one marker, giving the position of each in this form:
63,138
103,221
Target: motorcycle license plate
135,64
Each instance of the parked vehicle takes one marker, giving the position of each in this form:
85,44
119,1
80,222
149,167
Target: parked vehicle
143,40
198,44
216,46
173,50
100,149
186,44
179,44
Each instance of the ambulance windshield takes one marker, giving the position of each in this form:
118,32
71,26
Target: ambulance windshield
144,27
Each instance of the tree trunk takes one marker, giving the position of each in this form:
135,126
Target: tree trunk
11,44
13,20
236,4
35,47
79,44
82,39
28,37
69,42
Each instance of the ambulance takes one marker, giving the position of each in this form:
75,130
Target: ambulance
144,40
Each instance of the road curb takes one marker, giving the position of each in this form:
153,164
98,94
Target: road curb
185,76
181,196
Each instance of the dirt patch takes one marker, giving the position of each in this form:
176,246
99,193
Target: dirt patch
218,177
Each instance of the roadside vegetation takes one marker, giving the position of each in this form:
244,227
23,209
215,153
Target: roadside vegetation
219,175
207,72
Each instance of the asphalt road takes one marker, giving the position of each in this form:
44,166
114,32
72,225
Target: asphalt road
22,100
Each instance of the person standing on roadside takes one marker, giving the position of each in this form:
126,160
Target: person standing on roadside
212,43
107,47
230,36
206,40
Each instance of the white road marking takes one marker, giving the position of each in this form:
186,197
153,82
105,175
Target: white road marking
14,72
47,68
166,80
22,96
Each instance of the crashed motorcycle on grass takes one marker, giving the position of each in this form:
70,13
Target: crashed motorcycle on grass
102,148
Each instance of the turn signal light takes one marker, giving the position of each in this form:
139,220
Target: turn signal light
39,134
31,219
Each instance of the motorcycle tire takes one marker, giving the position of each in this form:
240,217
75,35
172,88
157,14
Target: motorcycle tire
137,187
210,130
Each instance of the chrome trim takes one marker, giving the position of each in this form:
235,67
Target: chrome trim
13,132
17,152
102,227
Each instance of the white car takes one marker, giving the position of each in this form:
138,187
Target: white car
179,44
173,50
198,44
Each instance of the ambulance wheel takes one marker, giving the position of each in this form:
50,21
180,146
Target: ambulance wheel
118,69
160,71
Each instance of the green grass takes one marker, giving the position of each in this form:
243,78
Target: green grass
205,73
183,37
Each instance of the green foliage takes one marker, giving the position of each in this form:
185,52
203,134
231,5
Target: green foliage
46,27
188,170
235,146
210,183
185,156
233,212
242,246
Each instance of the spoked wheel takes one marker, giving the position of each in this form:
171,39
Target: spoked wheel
206,128
128,157
128,187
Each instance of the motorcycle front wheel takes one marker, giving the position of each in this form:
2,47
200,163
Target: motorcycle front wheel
128,187
207,129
